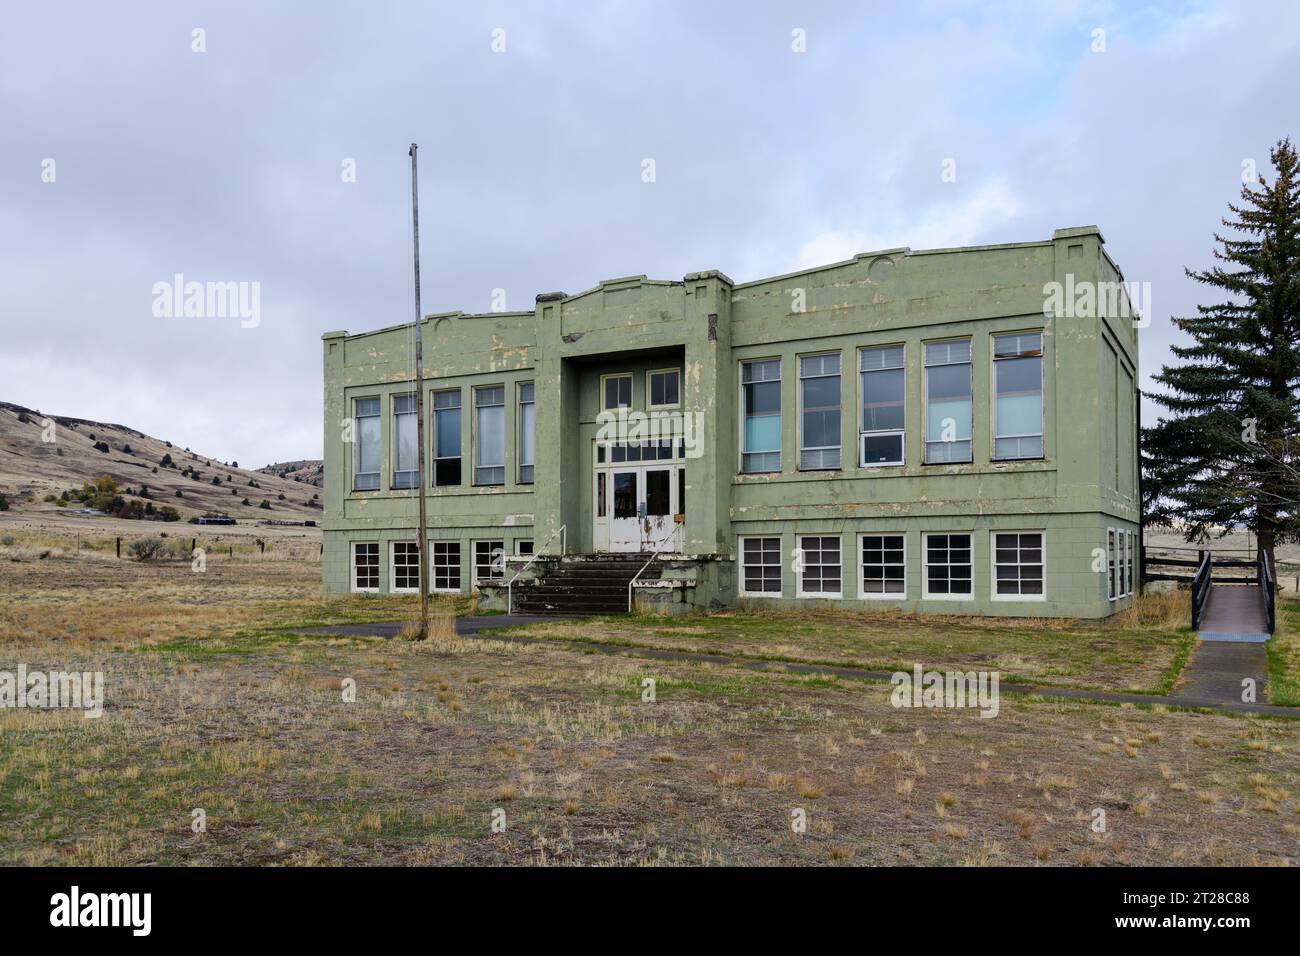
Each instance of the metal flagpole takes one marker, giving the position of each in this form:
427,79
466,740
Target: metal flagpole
421,532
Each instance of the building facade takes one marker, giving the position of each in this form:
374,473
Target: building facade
935,431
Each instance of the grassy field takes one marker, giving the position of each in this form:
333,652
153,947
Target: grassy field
212,705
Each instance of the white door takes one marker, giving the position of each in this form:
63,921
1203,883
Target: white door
626,495
657,497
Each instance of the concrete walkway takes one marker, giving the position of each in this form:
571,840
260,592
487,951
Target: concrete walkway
1216,670
1217,685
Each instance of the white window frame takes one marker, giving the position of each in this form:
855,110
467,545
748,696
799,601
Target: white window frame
926,440
394,442
863,593
379,570
519,543
993,565
356,443
649,390
1132,556
827,595
1112,579
459,457
993,395
925,567
392,567
839,405
433,568
473,550
477,438
780,563
631,399
863,431
520,464
740,415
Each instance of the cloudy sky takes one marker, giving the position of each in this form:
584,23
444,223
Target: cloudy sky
228,165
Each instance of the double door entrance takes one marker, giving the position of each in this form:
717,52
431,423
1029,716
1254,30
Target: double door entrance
639,507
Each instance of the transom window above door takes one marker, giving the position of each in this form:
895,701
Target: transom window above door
663,388
616,392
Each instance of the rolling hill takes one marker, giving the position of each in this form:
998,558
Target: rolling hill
32,468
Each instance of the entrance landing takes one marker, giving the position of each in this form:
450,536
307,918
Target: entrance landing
1234,613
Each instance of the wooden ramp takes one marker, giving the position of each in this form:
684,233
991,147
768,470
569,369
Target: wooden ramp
1234,612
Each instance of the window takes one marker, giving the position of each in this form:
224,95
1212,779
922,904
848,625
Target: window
365,566
406,566
760,567
366,465
1018,565
405,446
446,566
761,437
490,435
881,427
1121,567
947,402
1018,401
820,557
524,548
947,566
1111,564
1132,556
819,400
664,388
883,571
617,392
600,495
446,438
527,436
489,561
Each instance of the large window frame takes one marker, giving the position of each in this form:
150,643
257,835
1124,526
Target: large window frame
364,411
947,354
877,366
1011,350
405,422
494,551
820,367
948,547
370,564
764,552
1112,575
1000,548
890,543
526,427
820,551
759,461
489,400
448,471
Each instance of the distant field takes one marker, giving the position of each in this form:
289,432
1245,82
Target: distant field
212,705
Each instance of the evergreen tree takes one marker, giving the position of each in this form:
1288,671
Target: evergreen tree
1228,453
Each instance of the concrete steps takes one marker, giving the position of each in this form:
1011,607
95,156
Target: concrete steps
585,585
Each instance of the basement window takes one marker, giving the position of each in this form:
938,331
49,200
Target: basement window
489,561
446,567
821,575
365,414
1018,566
760,567
365,566
883,569
406,566
947,566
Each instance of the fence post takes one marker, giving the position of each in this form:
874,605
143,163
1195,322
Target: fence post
119,549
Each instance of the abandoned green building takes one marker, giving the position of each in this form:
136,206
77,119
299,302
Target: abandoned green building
938,430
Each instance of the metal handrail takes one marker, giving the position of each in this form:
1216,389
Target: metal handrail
537,553
1268,590
1201,588
654,555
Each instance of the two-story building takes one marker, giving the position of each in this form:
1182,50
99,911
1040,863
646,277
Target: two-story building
927,430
